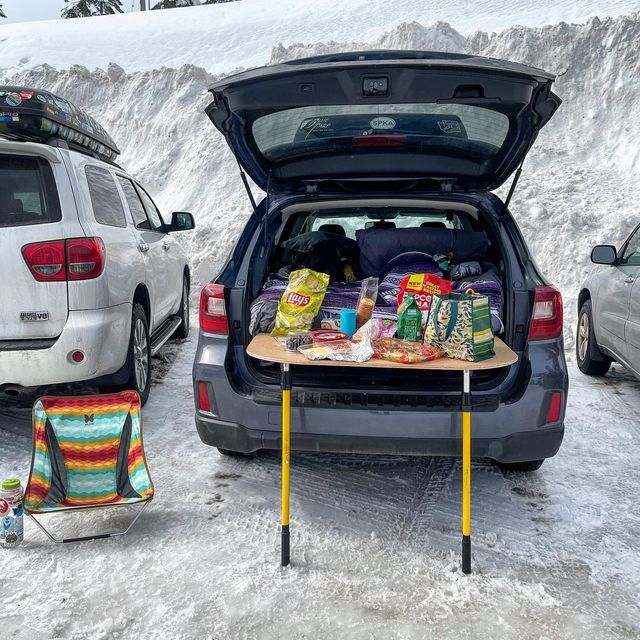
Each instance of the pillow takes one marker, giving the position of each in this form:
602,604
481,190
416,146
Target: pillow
378,246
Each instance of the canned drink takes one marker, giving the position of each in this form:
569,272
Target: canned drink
11,514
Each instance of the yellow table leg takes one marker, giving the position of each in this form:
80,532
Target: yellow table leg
466,472
286,456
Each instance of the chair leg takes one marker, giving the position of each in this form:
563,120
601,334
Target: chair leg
97,536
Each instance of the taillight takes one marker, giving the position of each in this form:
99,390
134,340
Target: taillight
546,320
85,258
59,260
46,260
213,315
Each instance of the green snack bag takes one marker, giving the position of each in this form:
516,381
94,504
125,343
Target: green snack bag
409,320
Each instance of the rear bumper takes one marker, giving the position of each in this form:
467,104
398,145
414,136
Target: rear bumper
515,447
513,429
101,334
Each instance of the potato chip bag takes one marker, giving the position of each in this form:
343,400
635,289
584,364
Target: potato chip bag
300,301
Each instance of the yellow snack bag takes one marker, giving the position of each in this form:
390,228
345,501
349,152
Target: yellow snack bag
300,301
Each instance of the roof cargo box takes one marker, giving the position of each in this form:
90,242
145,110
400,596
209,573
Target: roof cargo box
40,116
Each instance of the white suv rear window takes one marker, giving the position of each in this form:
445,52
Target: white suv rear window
28,192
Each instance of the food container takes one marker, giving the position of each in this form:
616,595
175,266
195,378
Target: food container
297,338
328,335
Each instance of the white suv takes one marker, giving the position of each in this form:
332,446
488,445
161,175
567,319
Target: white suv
94,282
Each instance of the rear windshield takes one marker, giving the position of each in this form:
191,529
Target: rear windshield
446,129
27,192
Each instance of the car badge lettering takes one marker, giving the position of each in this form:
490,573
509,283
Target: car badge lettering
34,316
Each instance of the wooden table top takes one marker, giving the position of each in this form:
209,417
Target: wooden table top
266,347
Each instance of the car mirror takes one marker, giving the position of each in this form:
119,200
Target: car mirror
604,254
181,221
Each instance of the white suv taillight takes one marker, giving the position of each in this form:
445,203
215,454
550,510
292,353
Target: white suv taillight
546,320
213,315
85,258
59,260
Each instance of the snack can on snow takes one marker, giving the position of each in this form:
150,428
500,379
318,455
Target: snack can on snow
11,515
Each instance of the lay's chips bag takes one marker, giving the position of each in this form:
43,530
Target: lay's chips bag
300,301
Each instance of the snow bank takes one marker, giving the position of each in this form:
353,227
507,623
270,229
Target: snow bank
577,188
223,36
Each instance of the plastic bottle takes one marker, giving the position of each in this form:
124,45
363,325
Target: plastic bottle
11,514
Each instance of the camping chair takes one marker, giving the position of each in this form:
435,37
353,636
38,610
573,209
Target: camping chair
87,454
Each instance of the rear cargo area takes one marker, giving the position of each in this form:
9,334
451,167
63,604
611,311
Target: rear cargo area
389,240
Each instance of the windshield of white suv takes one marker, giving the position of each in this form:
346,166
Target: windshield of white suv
27,192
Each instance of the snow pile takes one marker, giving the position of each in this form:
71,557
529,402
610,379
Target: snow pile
577,189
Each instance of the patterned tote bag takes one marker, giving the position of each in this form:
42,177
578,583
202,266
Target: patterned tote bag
460,323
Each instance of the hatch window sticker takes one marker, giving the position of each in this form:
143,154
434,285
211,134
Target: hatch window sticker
450,126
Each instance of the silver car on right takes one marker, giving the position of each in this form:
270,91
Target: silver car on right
609,310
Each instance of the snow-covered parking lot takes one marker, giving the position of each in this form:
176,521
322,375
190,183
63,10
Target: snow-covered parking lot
375,539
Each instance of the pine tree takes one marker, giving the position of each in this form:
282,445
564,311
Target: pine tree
86,8
2,12
172,4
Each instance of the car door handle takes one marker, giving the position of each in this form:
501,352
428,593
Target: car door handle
629,280
143,247
166,246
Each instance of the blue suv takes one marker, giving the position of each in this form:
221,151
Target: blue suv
383,140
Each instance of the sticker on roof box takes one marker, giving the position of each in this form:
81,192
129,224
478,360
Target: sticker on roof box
383,122
8,116
449,126
26,95
13,99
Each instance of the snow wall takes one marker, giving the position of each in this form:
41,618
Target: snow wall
578,186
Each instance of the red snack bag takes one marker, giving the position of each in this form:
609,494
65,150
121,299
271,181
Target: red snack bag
423,286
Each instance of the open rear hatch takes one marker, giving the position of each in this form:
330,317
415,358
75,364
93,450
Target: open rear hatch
460,122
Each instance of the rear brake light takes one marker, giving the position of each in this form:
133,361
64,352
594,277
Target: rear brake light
85,258
213,315
46,260
203,397
59,260
546,320
379,141
555,403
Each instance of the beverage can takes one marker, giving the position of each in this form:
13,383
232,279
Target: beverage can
11,513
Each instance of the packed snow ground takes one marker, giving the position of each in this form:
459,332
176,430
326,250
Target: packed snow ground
375,540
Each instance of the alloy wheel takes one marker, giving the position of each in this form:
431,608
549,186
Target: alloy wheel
140,354
583,336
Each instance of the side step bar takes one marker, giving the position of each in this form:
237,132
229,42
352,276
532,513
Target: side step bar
164,333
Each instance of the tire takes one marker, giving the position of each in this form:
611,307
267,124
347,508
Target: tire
139,355
236,454
182,332
526,467
591,361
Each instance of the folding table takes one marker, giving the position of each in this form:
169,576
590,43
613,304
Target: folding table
265,347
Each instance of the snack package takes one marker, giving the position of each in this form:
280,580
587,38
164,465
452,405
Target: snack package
409,320
300,301
341,350
423,286
375,329
395,350
366,301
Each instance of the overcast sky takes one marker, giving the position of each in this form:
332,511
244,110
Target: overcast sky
22,10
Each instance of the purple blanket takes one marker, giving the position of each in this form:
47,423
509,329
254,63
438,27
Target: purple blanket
345,295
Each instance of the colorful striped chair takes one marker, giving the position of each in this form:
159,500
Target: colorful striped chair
87,454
